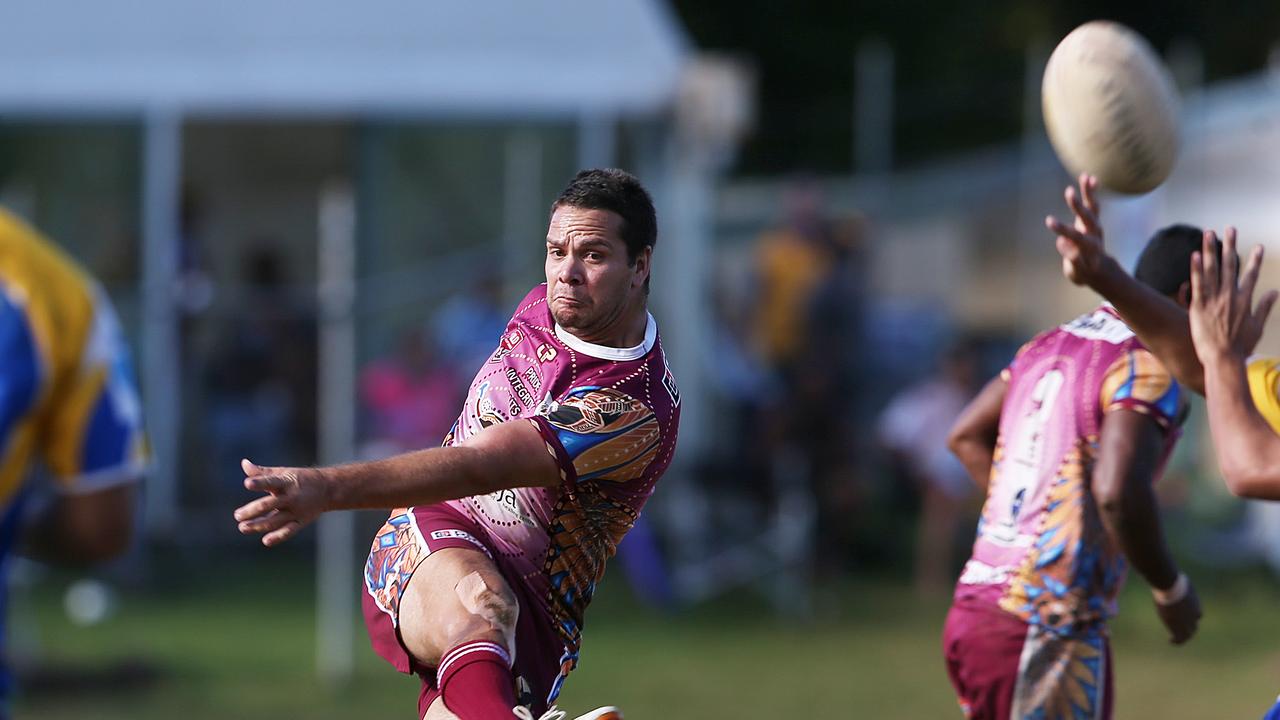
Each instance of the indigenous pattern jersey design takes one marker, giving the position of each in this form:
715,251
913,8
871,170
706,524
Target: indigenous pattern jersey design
397,550
67,392
1063,678
609,417
1041,552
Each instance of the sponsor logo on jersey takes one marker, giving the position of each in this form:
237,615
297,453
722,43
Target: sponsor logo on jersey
547,352
522,392
508,501
508,343
1099,325
669,381
455,534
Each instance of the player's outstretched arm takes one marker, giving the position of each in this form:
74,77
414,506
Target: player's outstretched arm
1157,320
1226,327
1129,455
508,455
973,435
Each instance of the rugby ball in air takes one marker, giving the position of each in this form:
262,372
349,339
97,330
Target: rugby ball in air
1111,108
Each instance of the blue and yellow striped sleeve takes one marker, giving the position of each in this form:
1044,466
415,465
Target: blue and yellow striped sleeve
1138,381
93,437
69,396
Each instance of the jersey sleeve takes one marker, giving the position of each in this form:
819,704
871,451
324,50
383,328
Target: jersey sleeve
1138,381
1263,373
602,435
93,436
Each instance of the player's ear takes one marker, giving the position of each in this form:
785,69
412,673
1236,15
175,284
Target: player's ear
643,265
1183,297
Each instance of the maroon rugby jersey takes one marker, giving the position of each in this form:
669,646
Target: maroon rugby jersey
608,415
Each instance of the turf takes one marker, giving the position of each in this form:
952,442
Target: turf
237,641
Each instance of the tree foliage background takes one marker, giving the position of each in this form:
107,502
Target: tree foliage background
959,66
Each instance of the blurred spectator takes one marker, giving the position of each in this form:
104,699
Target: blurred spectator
825,387
914,429
194,285
744,394
834,323
791,262
410,399
469,324
809,277
261,380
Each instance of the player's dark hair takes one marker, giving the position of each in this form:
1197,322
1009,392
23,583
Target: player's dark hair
619,192
1165,263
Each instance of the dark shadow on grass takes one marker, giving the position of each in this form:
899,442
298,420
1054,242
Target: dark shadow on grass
74,679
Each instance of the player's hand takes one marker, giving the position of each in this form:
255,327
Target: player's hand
1225,325
1081,243
295,497
1181,618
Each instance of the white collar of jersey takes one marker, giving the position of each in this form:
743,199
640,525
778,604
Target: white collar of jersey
604,352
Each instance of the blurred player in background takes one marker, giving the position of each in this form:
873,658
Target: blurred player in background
479,582
1209,348
1072,436
68,398
914,429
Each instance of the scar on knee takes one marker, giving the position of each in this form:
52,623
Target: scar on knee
493,606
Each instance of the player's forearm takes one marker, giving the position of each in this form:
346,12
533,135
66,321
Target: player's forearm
424,477
1133,521
974,434
1248,449
1158,322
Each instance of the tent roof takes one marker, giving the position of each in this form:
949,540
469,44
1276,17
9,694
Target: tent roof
472,57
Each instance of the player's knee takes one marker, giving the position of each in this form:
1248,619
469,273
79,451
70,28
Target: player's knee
491,606
434,619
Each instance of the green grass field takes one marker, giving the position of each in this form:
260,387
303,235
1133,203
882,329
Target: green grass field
229,641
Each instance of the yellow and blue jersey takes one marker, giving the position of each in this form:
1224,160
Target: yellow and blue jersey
68,398
1263,373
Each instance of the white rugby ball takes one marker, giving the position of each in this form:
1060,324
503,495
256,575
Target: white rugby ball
1111,107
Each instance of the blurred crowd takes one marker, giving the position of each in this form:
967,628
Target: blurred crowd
259,383
409,399
249,348
831,405
822,386
830,401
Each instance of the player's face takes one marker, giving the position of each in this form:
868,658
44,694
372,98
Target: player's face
590,283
